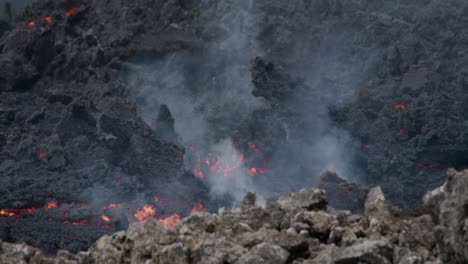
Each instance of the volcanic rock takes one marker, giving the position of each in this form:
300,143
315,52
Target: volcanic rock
164,125
211,238
342,194
391,73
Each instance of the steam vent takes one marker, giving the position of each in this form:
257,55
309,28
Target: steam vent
233,131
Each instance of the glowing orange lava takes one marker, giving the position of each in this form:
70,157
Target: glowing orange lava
72,11
198,167
31,23
225,166
112,205
48,19
80,222
146,212
51,204
155,199
253,171
171,220
15,211
106,218
198,207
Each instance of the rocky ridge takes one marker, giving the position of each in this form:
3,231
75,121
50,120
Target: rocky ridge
294,228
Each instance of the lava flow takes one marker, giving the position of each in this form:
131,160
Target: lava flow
49,19
51,204
146,212
15,211
198,207
72,11
217,163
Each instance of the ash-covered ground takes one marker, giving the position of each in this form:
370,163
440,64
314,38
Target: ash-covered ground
119,102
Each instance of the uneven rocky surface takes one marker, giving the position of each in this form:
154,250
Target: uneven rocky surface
294,228
374,89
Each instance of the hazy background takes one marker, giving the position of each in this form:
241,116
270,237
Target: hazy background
16,7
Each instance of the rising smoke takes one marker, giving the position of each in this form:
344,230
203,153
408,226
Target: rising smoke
209,92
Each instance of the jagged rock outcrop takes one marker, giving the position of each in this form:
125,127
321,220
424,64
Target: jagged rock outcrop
293,228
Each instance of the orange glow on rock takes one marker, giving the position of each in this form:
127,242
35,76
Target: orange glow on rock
106,218
146,212
51,204
72,11
171,220
198,207
253,171
48,19
31,23
15,211
80,222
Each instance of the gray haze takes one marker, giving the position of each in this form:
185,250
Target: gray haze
16,5
212,89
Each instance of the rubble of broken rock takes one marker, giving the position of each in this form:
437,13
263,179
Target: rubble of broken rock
294,228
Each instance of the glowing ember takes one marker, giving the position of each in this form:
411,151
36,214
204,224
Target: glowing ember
15,211
155,199
112,205
80,222
31,23
198,167
42,154
146,212
222,165
106,218
171,220
48,19
400,106
198,207
253,171
72,11
51,204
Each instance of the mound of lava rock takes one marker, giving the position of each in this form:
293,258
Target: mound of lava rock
294,228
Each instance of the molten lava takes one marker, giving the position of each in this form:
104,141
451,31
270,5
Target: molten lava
106,218
171,220
80,222
112,205
198,207
197,171
51,204
226,164
48,19
31,23
72,11
146,212
15,211
222,165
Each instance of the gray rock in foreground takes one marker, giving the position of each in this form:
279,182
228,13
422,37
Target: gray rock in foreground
295,228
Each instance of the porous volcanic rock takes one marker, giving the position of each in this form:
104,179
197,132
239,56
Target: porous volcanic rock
314,234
